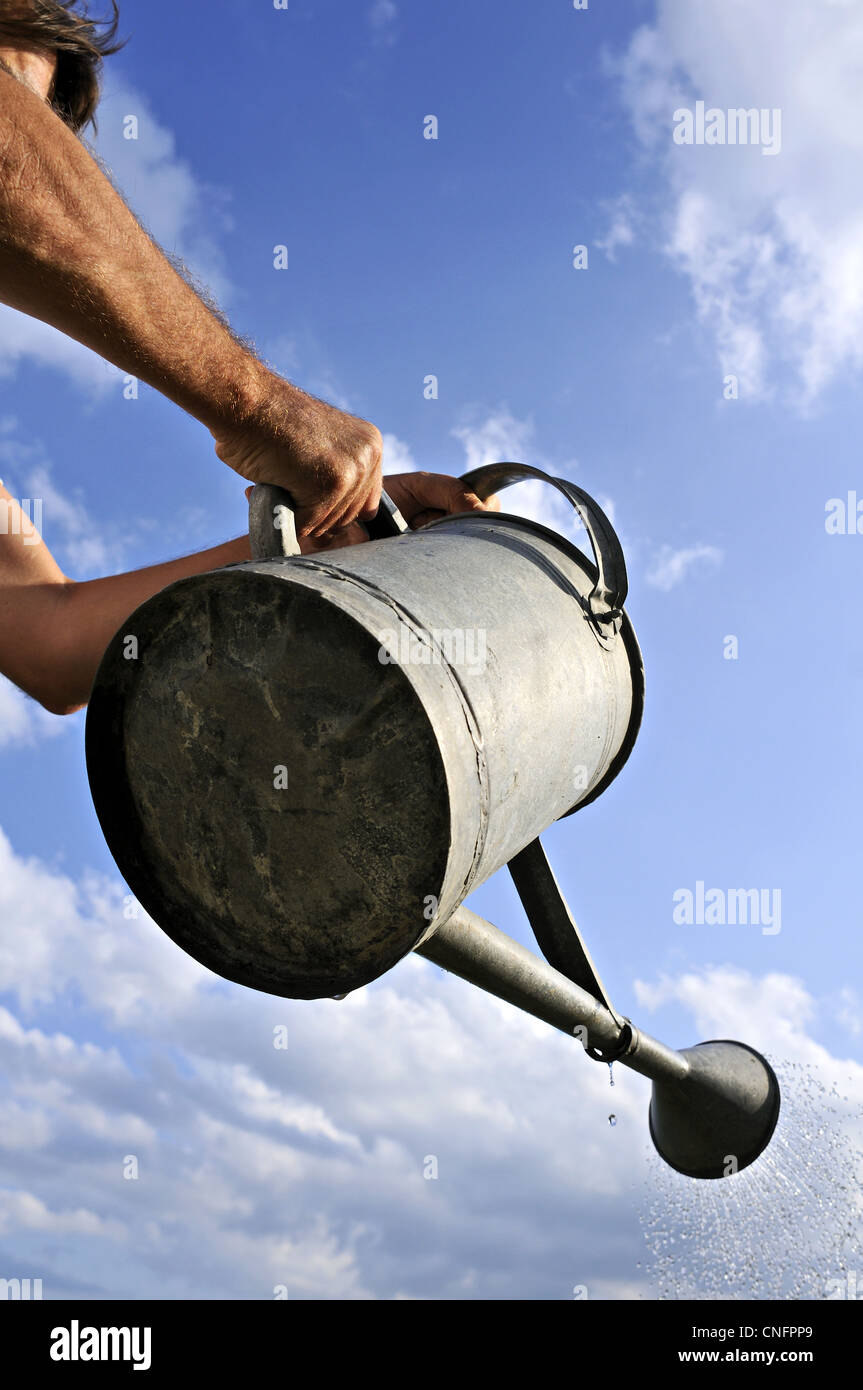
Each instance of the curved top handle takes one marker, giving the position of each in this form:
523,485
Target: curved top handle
273,527
608,594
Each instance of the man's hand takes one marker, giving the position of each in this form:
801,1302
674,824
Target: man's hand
329,462
53,630
420,497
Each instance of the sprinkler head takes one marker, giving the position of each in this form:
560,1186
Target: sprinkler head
721,1116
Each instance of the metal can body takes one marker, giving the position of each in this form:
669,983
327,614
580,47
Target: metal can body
312,761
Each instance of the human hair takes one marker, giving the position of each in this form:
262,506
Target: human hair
79,44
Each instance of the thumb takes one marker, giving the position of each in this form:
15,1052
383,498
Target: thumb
473,503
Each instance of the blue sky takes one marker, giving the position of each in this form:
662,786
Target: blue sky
406,257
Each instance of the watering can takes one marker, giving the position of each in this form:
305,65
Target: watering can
303,764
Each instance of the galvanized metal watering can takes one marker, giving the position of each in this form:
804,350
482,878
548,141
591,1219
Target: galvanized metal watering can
302,765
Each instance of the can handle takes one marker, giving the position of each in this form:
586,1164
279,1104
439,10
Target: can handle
273,526
608,594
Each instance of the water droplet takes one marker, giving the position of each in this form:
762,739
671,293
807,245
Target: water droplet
612,1119
610,1074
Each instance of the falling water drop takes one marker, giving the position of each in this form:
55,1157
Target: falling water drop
612,1119
610,1074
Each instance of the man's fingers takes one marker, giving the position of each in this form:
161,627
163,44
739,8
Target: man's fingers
369,509
360,504
420,492
440,493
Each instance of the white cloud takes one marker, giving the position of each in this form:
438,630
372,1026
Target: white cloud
322,383
21,1210
397,456
66,526
23,723
848,1011
621,229
78,540
775,1012
26,339
499,437
69,525
304,1166
772,247
670,567
282,354
502,437
184,215
382,19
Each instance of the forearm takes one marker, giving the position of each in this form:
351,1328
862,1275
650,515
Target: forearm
89,614
53,630
72,254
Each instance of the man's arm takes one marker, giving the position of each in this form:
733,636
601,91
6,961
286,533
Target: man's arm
53,630
73,255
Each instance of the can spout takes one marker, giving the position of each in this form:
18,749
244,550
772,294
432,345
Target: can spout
714,1106
717,1119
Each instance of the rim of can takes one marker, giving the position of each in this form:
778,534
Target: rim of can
625,633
